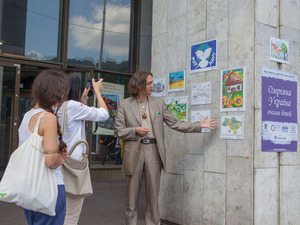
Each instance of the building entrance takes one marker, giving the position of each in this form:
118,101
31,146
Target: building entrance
16,78
9,102
15,101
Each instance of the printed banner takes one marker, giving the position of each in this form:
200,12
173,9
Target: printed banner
178,107
112,94
201,93
204,56
279,50
233,88
177,81
159,88
232,127
279,111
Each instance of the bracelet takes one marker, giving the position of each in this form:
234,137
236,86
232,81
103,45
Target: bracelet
52,152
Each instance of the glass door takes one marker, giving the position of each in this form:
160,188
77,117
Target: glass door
9,102
15,100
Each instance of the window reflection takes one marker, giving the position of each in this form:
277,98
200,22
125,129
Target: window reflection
85,34
103,149
42,25
12,26
30,28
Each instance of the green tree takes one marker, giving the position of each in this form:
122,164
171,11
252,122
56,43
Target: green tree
283,49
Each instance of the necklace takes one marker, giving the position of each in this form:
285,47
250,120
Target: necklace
144,116
143,109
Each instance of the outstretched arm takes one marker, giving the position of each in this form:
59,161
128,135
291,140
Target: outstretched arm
187,127
210,124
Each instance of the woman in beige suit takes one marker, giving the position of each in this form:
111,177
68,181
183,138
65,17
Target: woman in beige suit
139,122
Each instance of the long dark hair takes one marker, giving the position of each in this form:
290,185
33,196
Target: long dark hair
137,79
74,80
50,89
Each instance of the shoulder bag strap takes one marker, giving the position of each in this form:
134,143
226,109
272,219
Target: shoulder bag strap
36,129
79,142
63,125
37,125
63,117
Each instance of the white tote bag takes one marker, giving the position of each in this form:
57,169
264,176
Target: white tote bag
27,180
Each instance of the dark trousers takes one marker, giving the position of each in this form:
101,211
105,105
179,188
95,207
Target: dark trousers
118,156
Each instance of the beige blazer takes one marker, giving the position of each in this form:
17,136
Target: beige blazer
128,118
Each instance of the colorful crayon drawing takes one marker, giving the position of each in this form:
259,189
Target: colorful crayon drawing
111,102
178,107
176,81
233,124
232,127
203,56
279,50
159,87
112,94
233,90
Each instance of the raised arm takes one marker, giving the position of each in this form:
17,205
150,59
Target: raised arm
98,86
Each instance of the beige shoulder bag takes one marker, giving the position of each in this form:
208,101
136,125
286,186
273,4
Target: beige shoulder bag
76,173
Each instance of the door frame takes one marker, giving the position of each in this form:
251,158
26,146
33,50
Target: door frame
17,64
13,140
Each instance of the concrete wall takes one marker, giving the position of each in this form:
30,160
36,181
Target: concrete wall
214,181
277,177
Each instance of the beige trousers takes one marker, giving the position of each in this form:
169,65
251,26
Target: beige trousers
74,207
149,164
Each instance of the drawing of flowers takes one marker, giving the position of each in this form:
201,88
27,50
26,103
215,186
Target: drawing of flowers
238,100
224,100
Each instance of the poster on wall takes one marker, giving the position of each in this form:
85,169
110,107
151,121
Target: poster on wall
177,81
233,88
200,115
201,93
279,50
279,111
159,87
232,127
203,56
112,95
178,107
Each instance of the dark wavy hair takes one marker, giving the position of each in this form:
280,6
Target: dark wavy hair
136,80
50,89
74,80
